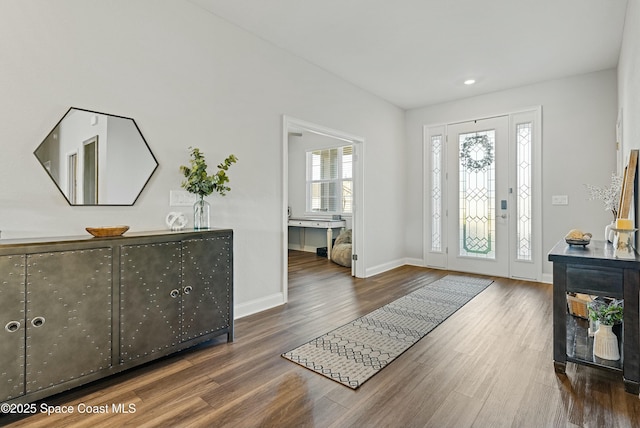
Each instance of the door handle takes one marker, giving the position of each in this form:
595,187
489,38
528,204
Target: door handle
12,326
37,321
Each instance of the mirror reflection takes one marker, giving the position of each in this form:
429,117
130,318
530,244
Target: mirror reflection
96,158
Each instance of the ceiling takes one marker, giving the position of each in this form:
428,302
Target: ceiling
414,53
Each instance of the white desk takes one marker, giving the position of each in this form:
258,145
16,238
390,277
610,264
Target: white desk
304,223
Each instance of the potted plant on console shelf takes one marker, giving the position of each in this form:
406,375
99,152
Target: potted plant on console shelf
607,313
200,183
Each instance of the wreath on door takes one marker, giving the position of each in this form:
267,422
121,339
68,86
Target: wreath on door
476,144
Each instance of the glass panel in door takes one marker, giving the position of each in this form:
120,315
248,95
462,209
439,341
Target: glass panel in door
476,194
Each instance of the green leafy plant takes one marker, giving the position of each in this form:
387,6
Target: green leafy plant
607,313
198,181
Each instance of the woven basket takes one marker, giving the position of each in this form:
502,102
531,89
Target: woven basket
577,304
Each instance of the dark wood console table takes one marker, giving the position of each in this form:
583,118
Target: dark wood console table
593,270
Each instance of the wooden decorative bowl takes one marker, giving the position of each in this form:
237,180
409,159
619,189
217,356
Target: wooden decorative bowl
107,231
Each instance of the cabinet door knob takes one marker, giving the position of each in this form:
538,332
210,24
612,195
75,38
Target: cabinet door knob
174,293
37,321
12,326
187,289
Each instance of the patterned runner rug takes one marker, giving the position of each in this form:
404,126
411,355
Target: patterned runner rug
353,353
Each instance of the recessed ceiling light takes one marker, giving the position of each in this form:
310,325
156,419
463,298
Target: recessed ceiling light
470,81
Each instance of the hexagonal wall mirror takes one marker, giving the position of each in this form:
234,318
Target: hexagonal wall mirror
96,158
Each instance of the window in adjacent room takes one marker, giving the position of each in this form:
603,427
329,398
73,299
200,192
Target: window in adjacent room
330,180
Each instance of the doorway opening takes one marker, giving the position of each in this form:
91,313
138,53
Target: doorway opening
323,191
90,171
72,177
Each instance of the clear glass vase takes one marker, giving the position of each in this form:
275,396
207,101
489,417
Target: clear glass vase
201,211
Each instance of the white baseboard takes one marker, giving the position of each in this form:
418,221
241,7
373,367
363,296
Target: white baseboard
258,305
375,270
307,248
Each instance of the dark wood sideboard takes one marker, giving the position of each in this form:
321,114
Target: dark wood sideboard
77,309
594,270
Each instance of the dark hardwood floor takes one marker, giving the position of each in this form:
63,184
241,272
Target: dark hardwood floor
488,365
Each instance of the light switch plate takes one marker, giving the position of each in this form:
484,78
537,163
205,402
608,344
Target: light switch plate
560,200
181,198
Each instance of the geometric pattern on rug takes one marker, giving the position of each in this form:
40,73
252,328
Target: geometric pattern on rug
354,352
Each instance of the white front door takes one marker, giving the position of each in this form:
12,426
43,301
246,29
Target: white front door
482,209
478,196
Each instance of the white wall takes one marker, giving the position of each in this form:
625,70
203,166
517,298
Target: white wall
578,133
629,80
188,79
